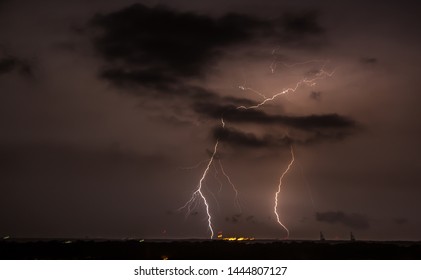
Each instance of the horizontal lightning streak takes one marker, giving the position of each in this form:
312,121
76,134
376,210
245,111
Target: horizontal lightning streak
311,82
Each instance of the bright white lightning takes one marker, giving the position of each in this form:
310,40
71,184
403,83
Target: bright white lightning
192,202
275,209
198,193
311,82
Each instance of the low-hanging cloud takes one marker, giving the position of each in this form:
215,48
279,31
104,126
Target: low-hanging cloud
9,64
353,220
232,114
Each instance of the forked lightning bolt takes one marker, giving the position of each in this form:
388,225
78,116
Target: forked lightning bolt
311,82
275,209
198,192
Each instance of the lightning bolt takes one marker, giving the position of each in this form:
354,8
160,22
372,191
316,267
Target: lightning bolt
198,193
311,82
321,74
275,209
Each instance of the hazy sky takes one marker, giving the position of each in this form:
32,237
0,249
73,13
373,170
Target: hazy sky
110,110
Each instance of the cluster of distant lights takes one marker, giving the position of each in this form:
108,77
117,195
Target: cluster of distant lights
220,237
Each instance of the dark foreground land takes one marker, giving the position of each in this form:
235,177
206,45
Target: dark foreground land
208,249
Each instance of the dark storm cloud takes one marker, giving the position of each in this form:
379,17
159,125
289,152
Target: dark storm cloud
9,64
158,46
302,23
369,60
316,95
246,139
329,127
232,114
302,29
353,220
250,218
319,136
239,138
155,78
236,218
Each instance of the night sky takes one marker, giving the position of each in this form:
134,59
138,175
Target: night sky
110,112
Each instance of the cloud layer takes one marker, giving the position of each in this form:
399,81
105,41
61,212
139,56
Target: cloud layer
353,220
160,47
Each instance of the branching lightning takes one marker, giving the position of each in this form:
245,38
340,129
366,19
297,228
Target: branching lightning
306,81
275,209
198,193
